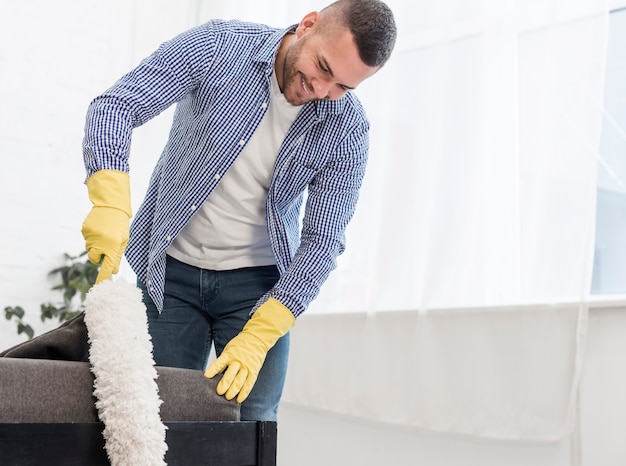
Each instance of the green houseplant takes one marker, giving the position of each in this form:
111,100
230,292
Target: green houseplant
77,277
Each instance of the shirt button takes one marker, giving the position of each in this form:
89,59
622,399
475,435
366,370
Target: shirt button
264,105
168,239
242,142
193,207
217,176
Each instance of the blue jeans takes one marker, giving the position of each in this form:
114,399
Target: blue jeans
203,308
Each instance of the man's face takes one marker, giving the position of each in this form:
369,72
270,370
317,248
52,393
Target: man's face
321,65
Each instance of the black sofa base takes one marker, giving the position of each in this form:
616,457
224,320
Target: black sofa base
223,443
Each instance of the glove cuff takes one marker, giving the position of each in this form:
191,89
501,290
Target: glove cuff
110,188
270,321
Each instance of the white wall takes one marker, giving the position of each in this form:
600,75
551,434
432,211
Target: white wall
56,57
309,437
603,390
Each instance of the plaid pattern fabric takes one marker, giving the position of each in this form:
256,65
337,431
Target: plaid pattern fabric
218,75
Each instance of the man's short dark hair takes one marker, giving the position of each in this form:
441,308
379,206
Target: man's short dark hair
373,26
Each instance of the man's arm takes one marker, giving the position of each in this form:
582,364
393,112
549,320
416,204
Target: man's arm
157,82
332,198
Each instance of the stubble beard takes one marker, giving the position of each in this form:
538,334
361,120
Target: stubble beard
292,79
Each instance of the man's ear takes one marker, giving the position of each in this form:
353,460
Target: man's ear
309,22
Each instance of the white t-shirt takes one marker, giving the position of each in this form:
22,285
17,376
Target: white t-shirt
229,231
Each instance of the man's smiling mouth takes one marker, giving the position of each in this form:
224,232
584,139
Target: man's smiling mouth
307,90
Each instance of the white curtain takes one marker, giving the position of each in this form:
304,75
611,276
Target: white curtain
476,227
482,176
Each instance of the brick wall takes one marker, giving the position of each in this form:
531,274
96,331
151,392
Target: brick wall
56,57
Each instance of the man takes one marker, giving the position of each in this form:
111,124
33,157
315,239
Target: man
262,116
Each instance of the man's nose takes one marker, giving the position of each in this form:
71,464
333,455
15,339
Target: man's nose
321,88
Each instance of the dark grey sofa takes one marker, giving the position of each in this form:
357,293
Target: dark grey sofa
48,416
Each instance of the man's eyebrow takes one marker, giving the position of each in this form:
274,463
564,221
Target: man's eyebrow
330,71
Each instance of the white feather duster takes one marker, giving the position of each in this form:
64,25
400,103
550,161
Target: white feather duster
121,359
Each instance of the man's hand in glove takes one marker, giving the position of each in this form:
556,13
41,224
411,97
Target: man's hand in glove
107,227
244,355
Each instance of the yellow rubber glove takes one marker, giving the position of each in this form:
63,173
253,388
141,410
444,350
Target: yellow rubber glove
107,227
244,355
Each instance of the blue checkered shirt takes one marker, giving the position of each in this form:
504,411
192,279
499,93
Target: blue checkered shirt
218,74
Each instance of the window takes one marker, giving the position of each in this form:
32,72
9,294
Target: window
609,273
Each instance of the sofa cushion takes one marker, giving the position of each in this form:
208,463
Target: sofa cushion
44,391
67,342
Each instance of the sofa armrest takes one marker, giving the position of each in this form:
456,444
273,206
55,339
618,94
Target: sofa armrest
52,391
